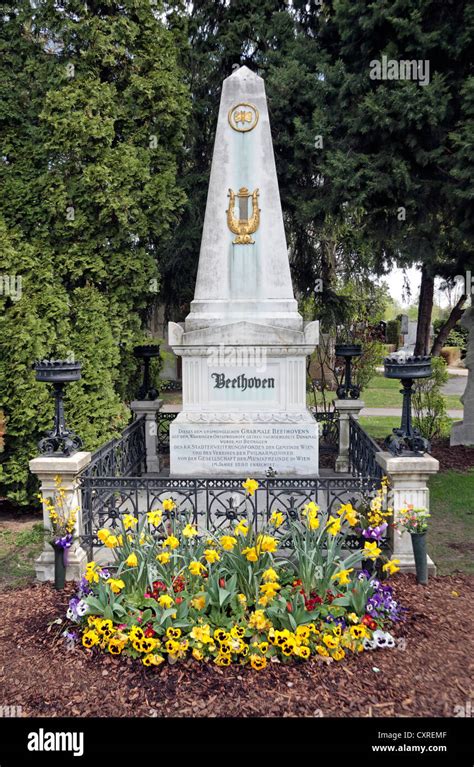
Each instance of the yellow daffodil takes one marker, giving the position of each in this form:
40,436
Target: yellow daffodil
267,543
391,566
277,519
116,585
132,560
189,531
196,568
342,576
310,508
169,504
242,527
334,525
164,557
371,550
171,541
91,574
155,517
103,534
111,541
270,588
269,575
250,553
250,485
129,521
228,542
211,556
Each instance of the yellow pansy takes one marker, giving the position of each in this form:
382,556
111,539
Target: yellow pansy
198,602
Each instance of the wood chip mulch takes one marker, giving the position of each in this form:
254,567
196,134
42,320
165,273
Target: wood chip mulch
428,674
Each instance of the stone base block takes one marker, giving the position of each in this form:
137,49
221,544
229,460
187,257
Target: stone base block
244,448
76,560
407,564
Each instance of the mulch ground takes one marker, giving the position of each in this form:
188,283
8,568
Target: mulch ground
428,674
456,457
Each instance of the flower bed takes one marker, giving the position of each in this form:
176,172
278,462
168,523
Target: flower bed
236,597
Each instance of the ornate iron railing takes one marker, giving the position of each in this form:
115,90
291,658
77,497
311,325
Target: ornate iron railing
163,431
117,459
213,503
362,452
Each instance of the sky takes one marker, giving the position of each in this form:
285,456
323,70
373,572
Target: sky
396,285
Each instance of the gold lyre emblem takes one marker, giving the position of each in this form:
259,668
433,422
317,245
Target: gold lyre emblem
244,225
243,117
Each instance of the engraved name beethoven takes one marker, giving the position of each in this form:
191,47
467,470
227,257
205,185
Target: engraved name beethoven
242,382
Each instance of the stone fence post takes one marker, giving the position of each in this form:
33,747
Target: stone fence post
68,468
345,408
408,477
149,408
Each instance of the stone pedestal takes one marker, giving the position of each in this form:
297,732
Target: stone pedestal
149,408
346,409
462,433
244,344
408,479
68,468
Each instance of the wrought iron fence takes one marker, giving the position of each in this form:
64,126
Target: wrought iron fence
118,458
213,503
362,452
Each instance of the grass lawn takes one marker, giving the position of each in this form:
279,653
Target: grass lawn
20,543
385,392
451,532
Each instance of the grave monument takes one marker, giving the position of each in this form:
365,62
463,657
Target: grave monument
244,344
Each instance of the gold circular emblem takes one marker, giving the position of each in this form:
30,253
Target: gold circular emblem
243,117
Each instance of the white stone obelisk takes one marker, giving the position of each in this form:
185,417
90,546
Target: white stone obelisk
243,344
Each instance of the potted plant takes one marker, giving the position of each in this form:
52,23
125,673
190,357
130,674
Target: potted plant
415,521
61,531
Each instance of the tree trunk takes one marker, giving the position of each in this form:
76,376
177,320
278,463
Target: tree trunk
444,331
425,308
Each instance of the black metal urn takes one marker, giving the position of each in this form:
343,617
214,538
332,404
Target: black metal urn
407,440
58,373
347,389
147,353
